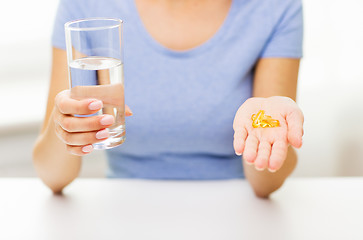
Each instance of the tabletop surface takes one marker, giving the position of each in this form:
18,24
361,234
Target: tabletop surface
320,208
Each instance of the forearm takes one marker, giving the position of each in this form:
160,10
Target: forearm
265,182
274,77
54,165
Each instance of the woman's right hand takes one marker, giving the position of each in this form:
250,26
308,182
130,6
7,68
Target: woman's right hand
79,133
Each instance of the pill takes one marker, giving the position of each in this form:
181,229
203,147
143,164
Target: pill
260,120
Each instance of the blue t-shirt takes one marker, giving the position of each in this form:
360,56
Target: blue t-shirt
184,102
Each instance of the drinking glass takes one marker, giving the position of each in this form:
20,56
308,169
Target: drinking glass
95,70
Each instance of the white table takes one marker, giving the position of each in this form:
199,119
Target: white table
330,208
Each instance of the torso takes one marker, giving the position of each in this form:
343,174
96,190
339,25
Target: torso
182,25
185,78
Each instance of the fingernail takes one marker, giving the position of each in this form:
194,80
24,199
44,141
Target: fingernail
238,154
107,120
271,170
95,105
102,134
259,169
87,149
248,163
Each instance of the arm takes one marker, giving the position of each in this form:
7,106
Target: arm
64,138
53,163
273,77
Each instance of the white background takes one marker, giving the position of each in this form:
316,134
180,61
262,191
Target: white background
330,87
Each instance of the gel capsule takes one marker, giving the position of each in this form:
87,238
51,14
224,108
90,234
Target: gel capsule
260,120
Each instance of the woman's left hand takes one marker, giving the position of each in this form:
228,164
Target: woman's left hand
267,147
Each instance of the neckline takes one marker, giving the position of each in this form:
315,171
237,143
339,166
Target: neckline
150,41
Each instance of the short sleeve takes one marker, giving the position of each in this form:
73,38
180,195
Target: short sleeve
67,11
287,37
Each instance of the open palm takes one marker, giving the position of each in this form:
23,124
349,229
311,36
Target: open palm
267,147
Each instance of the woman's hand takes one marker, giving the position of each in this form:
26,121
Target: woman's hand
267,147
79,133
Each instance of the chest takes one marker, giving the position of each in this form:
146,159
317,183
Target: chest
182,25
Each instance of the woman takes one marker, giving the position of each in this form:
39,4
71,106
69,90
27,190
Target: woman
195,72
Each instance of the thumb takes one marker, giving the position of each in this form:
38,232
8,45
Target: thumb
295,131
128,111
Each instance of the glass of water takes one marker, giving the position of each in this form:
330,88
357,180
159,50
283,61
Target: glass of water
95,68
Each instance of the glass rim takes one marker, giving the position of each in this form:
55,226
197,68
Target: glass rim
118,22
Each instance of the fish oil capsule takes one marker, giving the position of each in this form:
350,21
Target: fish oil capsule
260,120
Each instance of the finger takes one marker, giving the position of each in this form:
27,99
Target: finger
84,124
239,141
67,105
128,111
278,155
83,138
80,150
295,131
263,154
250,151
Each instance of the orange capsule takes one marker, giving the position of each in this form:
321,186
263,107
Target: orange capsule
260,120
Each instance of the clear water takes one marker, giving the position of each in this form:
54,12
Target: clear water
101,78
